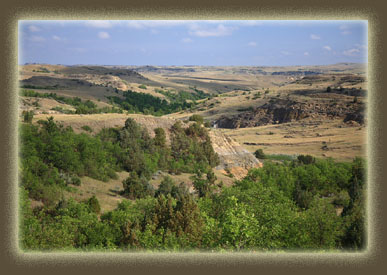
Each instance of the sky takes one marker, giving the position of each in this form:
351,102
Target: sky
187,42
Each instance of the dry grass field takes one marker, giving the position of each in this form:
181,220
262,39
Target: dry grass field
330,138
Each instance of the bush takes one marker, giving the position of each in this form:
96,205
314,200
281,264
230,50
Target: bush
142,86
87,128
93,203
306,159
197,118
136,187
167,186
75,180
259,154
27,116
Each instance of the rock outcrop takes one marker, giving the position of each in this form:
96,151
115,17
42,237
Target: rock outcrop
232,155
278,111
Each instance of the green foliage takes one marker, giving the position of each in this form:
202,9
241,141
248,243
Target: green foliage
50,152
182,96
192,149
142,86
81,107
306,159
204,186
136,187
280,157
87,128
147,104
323,228
94,204
75,181
28,116
197,118
281,206
160,137
167,187
259,154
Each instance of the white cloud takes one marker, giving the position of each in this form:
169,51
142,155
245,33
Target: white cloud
315,37
99,24
57,38
36,38
328,48
351,52
306,53
103,35
345,32
187,40
33,28
220,30
252,44
285,52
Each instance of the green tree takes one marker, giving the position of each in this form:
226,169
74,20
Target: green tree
94,204
137,187
259,154
160,138
28,116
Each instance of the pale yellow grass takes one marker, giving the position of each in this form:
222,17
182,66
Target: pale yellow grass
343,143
107,193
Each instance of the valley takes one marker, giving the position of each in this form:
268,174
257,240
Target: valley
132,134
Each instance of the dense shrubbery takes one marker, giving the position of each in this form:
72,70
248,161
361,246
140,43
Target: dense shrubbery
289,205
147,104
81,107
53,156
256,213
182,96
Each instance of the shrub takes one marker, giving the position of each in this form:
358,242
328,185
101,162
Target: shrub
136,187
27,116
142,86
197,118
93,203
75,180
87,128
259,154
306,159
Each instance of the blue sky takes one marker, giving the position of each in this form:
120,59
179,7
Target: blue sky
210,43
